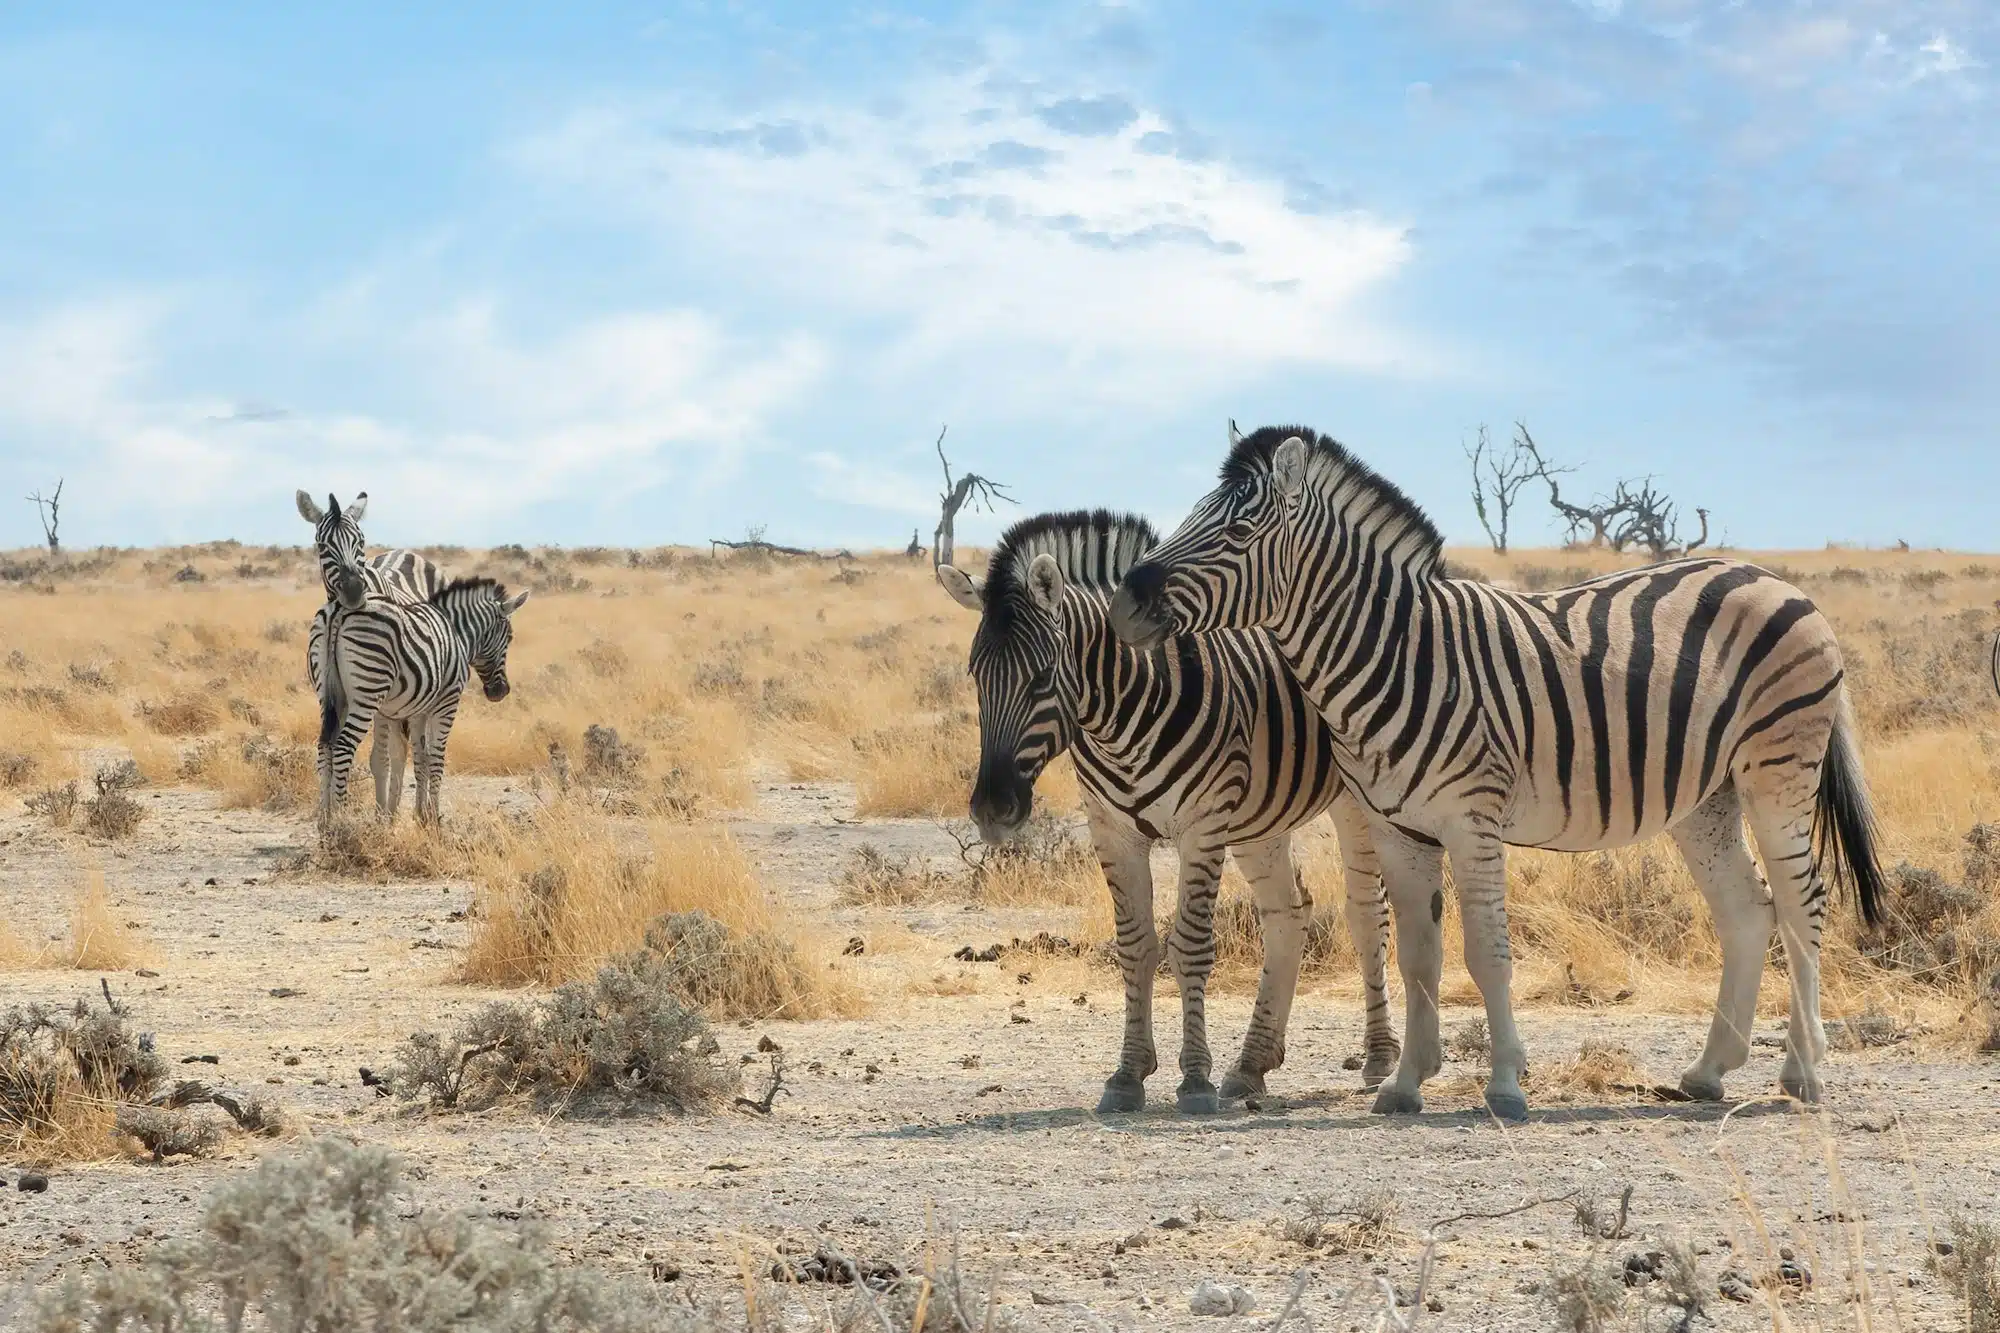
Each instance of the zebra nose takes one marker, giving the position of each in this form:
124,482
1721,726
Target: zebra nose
496,690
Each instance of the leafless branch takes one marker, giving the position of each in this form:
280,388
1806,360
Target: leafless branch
973,489
762,1106
49,511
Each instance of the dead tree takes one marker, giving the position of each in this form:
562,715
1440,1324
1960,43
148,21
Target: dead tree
1497,478
1597,517
49,511
973,489
1651,520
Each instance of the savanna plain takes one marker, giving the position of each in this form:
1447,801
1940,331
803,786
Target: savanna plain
702,1004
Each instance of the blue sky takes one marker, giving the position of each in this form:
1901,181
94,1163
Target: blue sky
656,273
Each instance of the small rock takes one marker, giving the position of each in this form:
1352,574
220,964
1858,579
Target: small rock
1642,1269
663,1271
856,946
284,993
1019,1018
1787,1252
32,1182
1351,1062
1216,1300
1794,1274
765,1045
1528,1286
1734,1286
144,972
1039,1299
1082,998
1171,1224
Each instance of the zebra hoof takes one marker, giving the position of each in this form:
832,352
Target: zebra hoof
1805,1087
1702,1087
1122,1094
1197,1099
1392,1100
1241,1083
1509,1106
1379,1066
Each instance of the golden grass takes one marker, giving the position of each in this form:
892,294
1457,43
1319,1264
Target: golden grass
718,671
100,940
563,891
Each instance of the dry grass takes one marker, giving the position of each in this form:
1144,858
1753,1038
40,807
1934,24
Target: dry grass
565,890
101,939
715,671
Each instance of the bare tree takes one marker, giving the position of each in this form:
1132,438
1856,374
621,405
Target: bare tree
1497,478
973,489
1637,513
1596,517
49,511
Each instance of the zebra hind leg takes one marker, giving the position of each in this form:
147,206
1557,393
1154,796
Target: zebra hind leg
1284,909
1192,951
1711,842
1799,896
1413,873
1368,927
1128,874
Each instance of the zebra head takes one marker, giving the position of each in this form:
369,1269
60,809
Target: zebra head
1016,664
338,542
481,613
1228,564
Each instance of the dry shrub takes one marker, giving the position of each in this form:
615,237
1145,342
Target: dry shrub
256,772
165,1133
361,846
63,1075
100,939
1364,1225
1599,1069
874,878
111,813
320,1239
183,715
55,804
1588,1294
1046,862
631,1035
1973,1269
1943,933
18,768
563,892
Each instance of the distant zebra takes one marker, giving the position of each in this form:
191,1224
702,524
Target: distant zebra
1677,698
1210,744
348,575
407,665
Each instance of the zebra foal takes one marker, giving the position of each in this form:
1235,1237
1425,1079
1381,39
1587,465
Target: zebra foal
348,574
1676,698
405,666
1210,744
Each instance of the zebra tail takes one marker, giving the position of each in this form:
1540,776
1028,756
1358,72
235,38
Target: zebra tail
1996,663
1844,831
332,695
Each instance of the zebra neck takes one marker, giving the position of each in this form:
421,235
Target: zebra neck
1363,617
1106,683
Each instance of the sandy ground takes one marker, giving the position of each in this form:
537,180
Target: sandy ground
942,1110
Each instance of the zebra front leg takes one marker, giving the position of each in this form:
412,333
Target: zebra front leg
1413,874
1479,869
378,765
1125,855
1368,926
1711,842
1284,909
1192,953
399,754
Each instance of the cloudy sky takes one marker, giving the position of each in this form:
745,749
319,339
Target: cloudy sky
653,273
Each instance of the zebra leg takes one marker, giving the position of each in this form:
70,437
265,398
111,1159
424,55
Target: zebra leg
1479,868
378,765
1368,926
1125,855
336,761
1711,841
1284,909
1799,896
399,754
1413,873
1192,953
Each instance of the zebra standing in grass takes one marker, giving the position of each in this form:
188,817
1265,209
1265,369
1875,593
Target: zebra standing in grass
1211,744
407,665
349,575
1676,698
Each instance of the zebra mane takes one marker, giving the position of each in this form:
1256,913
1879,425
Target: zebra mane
467,585
1370,500
1093,548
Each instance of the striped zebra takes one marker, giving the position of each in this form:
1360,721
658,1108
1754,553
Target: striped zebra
1211,744
349,575
1678,698
407,665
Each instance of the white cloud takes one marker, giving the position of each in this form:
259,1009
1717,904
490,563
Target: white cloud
1044,252
872,486
607,406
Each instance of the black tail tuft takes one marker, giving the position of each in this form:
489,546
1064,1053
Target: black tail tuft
329,722
1844,821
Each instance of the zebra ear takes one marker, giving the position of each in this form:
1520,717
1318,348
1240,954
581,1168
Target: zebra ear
512,604
1045,581
1288,466
358,508
309,509
964,589
1235,435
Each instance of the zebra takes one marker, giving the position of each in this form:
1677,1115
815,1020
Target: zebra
1211,744
1680,697
349,575
407,664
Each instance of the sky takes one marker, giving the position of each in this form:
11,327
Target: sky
643,274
